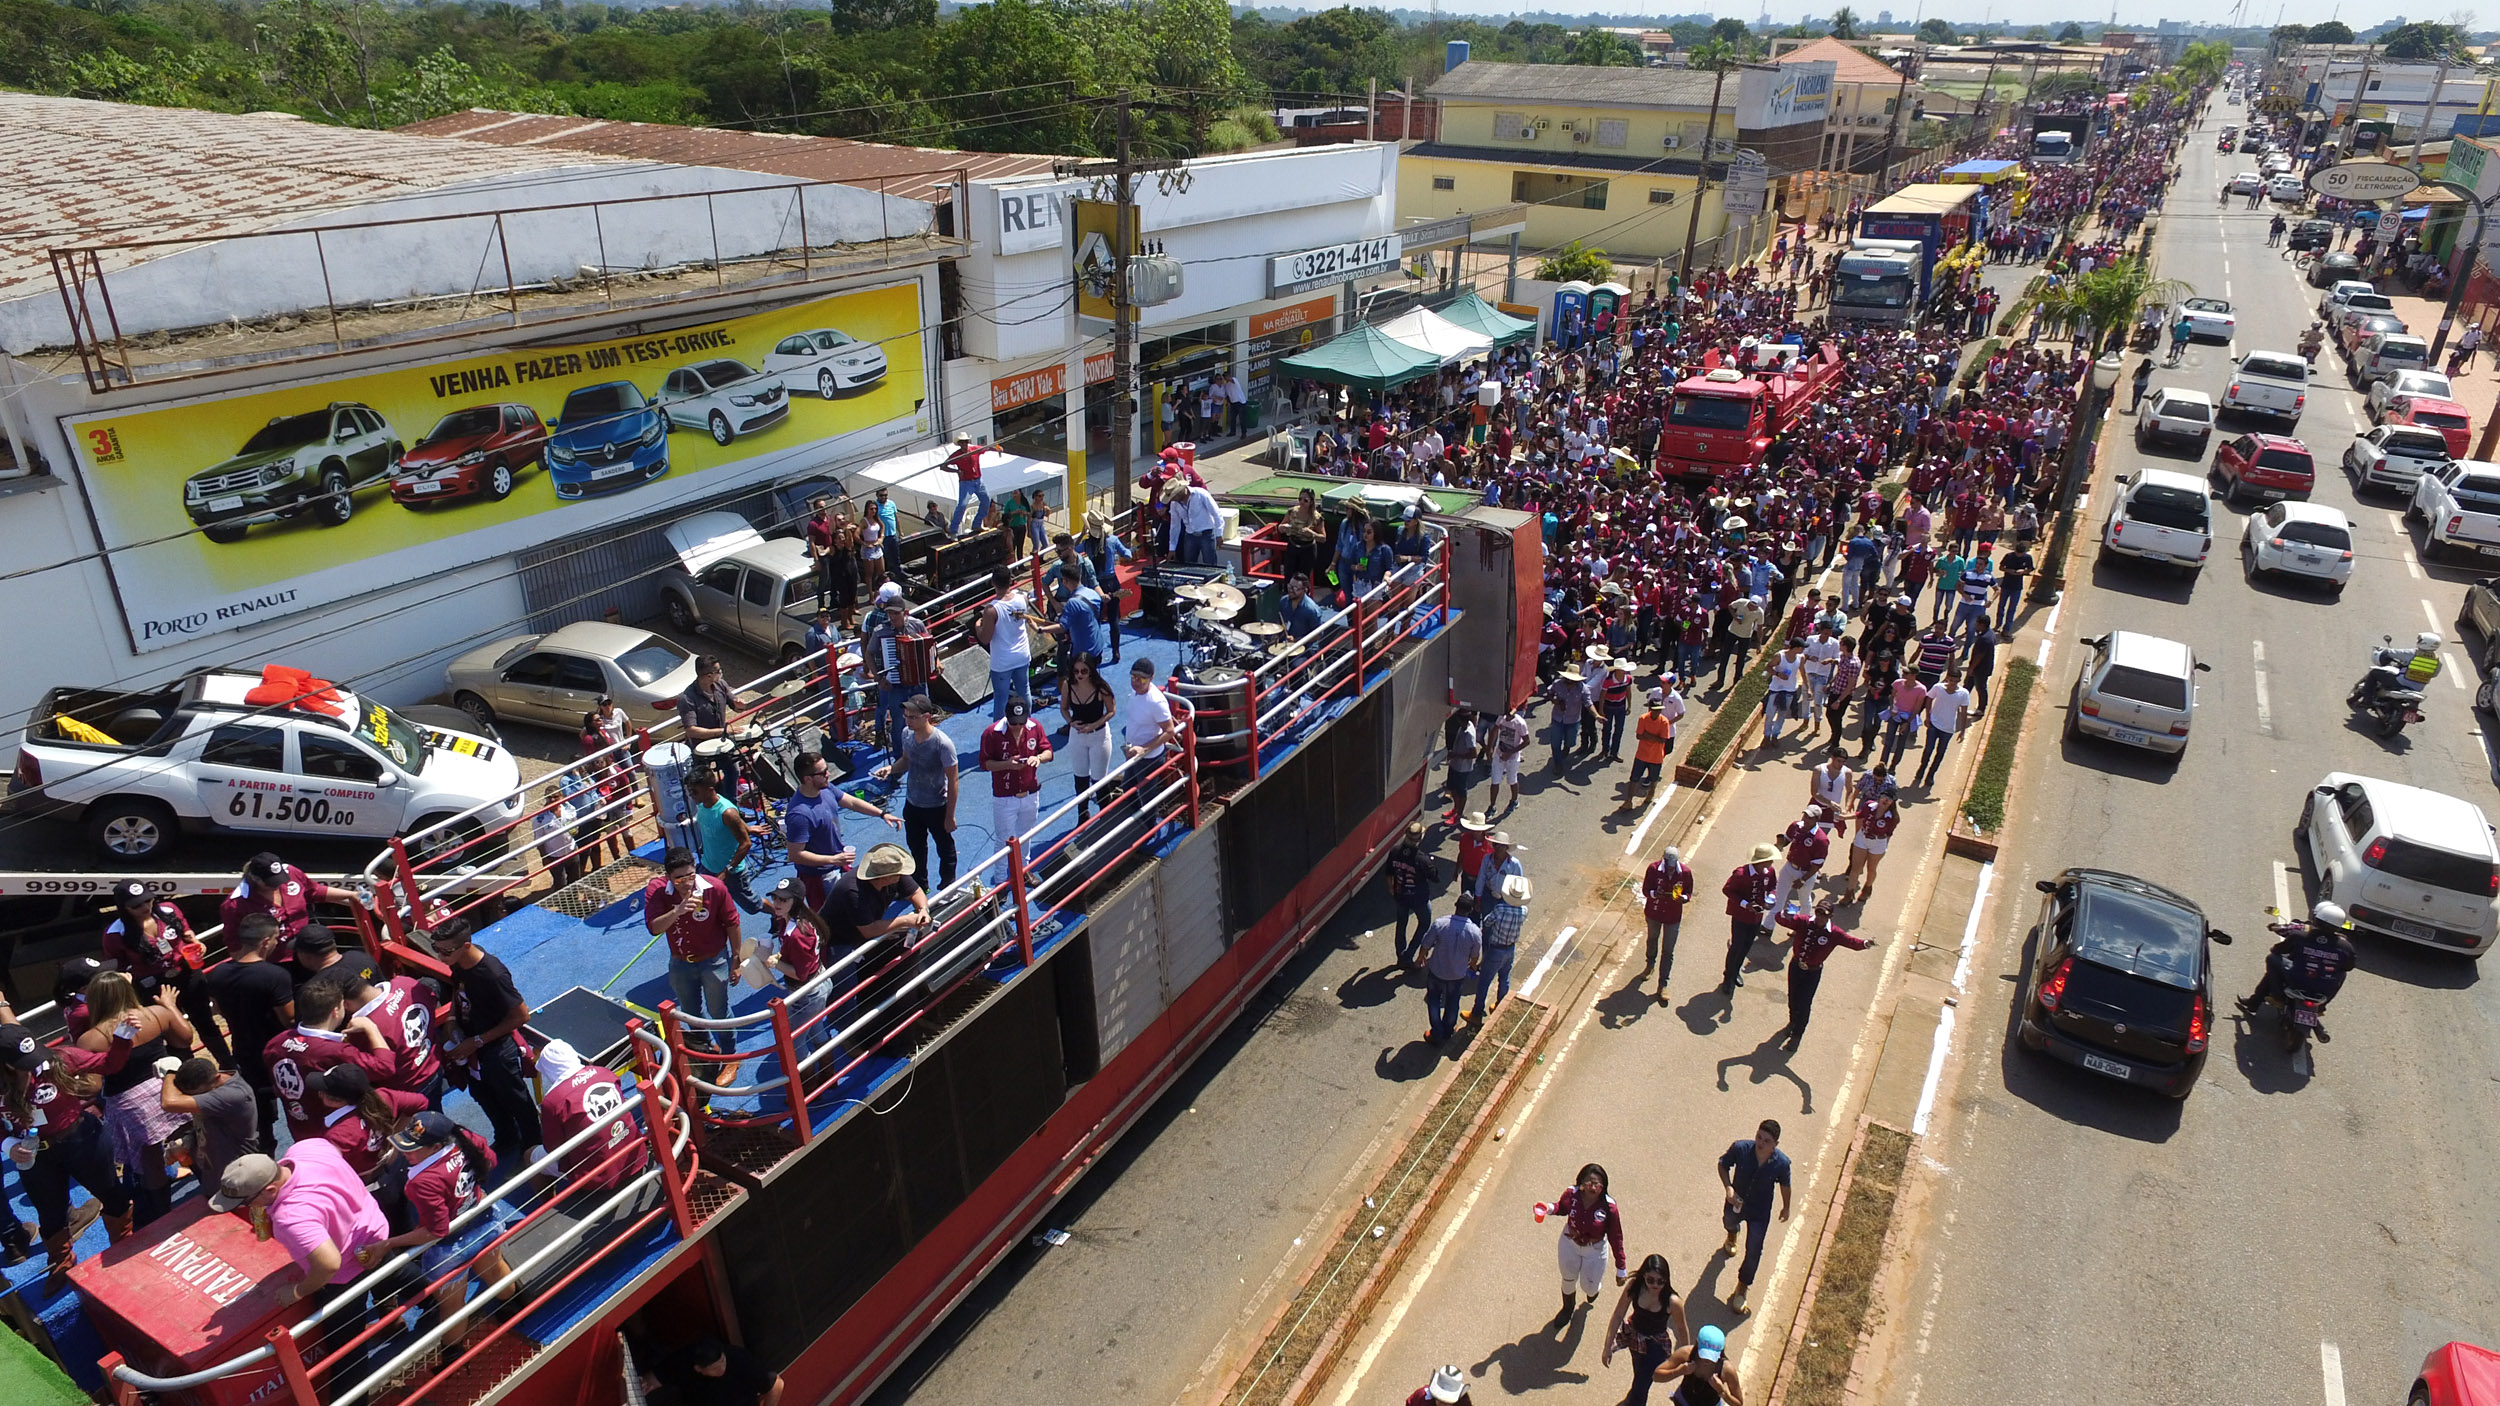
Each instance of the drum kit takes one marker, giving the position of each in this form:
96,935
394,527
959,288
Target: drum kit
1210,639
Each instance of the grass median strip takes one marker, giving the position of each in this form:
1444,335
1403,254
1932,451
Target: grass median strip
1984,805
1849,1269
1738,709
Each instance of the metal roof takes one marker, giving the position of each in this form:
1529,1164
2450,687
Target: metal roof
772,153
77,171
1926,200
1575,85
1853,64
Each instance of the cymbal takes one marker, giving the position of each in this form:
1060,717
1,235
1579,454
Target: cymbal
1261,629
1197,592
1284,649
1217,593
1216,614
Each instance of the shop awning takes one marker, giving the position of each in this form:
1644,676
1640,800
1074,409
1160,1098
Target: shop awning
1479,316
1365,358
1429,331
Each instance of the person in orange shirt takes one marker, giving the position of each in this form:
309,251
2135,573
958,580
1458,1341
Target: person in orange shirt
1651,737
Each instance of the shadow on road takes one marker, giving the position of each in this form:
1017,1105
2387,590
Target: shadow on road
1540,1357
2076,1095
1624,1007
1768,1061
2257,1048
2151,580
2118,759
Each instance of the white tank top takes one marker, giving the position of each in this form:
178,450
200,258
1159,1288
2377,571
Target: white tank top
1010,646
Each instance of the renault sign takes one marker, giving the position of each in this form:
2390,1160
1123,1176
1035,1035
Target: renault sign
2365,182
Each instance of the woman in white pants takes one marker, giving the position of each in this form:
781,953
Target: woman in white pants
1592,1227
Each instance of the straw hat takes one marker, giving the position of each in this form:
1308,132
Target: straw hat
1764,853
885,862
1501,838
1475,824
1516,891
1574,676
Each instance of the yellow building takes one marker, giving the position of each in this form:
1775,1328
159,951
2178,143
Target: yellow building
1606,156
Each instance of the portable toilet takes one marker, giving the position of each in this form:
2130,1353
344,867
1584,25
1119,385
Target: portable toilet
1571,312
1608,297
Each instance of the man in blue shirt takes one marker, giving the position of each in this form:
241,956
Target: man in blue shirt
1855,574
1080,622
1451,949
1302,614
812,827
1748,1170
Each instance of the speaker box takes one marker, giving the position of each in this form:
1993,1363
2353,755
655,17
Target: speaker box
963,681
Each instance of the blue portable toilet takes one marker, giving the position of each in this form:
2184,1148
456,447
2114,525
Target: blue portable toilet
1454,55
1572,312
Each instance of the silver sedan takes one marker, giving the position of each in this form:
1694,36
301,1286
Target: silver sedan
556,678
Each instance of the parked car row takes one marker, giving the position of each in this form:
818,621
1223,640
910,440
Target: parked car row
605,437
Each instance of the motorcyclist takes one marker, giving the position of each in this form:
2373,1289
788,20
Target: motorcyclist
2311,341
2413,670
2312,958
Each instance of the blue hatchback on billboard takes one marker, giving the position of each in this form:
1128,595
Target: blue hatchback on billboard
606,437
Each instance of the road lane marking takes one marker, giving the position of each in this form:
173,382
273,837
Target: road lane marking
2448,666
1945,1017
2431,615
2048,631
1656,808
2226,268
2282,891
1544,964
2265,709
2331,1368
2396,524
2412,568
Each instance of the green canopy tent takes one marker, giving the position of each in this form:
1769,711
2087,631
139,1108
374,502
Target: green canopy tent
1365,358
1477,315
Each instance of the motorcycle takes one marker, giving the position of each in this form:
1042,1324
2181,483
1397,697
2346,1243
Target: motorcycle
2384,694
2303,1018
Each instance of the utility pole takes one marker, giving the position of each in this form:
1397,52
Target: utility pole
2360,89
1701,183
2430,110
1979,113
1122,173
1900,105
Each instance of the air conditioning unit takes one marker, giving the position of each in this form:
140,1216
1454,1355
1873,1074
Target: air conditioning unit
1581,136
1673,142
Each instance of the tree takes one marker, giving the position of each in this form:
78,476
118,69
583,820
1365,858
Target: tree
2071,34
1603,48
1844,23
2063,84
1733,31
1576,261
2423,39
2104,301
2331,32
1937,32
2202,63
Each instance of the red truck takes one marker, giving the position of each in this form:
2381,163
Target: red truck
1721,422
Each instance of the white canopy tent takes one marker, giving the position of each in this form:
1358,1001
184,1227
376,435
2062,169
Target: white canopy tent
1431,333
922,488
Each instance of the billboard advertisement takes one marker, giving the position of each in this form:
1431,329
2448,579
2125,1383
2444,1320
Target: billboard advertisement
228,511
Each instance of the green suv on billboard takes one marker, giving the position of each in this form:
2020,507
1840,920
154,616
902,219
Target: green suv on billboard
315,463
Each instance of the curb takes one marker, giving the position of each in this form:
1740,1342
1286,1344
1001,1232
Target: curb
1786,1375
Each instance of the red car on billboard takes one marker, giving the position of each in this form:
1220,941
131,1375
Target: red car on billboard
478,450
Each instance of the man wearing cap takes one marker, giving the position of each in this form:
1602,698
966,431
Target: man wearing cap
153,942
55,1138
273,886
1447,1385
964,462
1570,695
1504,919
812,827
1614,705
877,899
1817,935
579,1096
1013,751
1749,891
314,1205
1665,886
1450,951
694,911
881,655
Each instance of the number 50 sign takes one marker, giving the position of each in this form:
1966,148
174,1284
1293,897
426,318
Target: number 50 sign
2365,182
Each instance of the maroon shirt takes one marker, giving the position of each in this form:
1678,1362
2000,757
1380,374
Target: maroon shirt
1749,891
579,1100
294,1057
441,1186
144,954
702,935
1657,884
405,1015
358,1141
802,950
292,907
1816,937
55,1111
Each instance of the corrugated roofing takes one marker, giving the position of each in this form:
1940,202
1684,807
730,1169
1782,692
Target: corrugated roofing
772,153
82,172
1853,65
1926,200
1581,85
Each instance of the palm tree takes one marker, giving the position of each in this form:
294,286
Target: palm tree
1844,23
2104,301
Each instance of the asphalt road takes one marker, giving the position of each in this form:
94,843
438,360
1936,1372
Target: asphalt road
2280,1236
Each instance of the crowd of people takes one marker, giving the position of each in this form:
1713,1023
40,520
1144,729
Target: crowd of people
1920,482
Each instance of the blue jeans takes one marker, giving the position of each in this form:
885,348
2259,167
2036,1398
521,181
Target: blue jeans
1441,1004
1755,1229
1563,736
965,495
1612,720
804,1007
1497,960
1687,660
701,989
1419,908
2009,600
1970,617
1198,548
890,700
1005,681
1777,707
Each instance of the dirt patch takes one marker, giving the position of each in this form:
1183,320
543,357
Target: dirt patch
1402,1192
1849,1269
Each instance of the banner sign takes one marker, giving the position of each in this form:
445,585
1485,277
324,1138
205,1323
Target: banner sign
228,511
1314,268
1096,222
1043,382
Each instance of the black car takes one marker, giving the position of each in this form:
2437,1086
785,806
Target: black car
2121,980
2331,269
2311,234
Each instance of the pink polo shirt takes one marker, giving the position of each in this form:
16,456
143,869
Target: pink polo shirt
325,1201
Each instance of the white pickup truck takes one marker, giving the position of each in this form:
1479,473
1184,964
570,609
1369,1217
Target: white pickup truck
2269,383
141,768
2458,504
